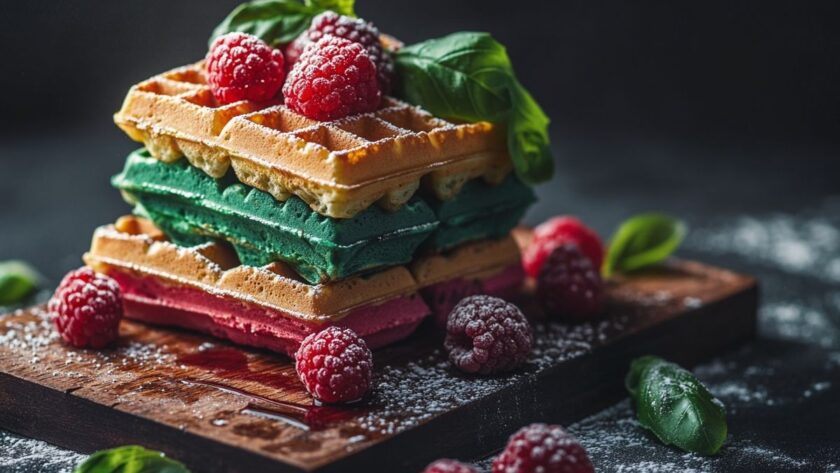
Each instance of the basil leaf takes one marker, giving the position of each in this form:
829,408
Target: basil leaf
342,7
130,459
643,240
17,280
276,22
528,138
469,77
675,406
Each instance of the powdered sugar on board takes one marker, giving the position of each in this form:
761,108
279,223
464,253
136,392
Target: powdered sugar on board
413,393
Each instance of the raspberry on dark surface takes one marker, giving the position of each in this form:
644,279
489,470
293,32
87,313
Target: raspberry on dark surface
335,365
542,448
555,232
487,335
87,309
333,78
243,67
446,465
568,285
351,29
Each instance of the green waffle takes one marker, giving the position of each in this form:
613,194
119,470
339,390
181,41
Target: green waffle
480,211
193,208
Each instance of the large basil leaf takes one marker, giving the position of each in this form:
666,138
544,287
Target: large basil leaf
468,76
643,240
17,280
130,459
278,22
675,406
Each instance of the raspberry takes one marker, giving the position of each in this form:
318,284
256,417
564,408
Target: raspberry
334,365
555,232
445,465
568,284
333,78
487,335
352,29
244,67
442,298
545,449
87,308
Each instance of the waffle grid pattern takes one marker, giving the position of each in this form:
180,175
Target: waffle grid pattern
135,244
339,168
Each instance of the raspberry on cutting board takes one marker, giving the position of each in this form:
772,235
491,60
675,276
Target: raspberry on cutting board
487,335
335,365
558,231
568,285
87,309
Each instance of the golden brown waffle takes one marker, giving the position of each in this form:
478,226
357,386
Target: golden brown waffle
339,168
134,244
478,260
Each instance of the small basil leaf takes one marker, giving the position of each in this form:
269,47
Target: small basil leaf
17,280
276,22
342,7
130,459
675,406
643,240
468,76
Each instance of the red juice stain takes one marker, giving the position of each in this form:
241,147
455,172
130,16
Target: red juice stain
280,381
305,417
220,359
231,363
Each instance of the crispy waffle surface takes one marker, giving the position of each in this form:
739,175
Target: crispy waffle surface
134,244
339,168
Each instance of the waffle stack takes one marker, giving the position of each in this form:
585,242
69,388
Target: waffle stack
256,224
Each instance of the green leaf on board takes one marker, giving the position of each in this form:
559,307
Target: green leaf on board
643,240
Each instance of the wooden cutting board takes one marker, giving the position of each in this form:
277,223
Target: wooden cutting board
221,408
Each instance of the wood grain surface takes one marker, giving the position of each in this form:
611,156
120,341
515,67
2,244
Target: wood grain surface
222,408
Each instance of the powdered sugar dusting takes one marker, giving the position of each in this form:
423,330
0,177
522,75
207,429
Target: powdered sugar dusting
807,245
410,394
22,455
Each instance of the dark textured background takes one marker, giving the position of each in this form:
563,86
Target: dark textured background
724,113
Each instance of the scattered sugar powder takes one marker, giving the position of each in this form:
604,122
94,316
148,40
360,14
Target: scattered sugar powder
801,244
29,337
799,321
816,388
22,455
407,395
